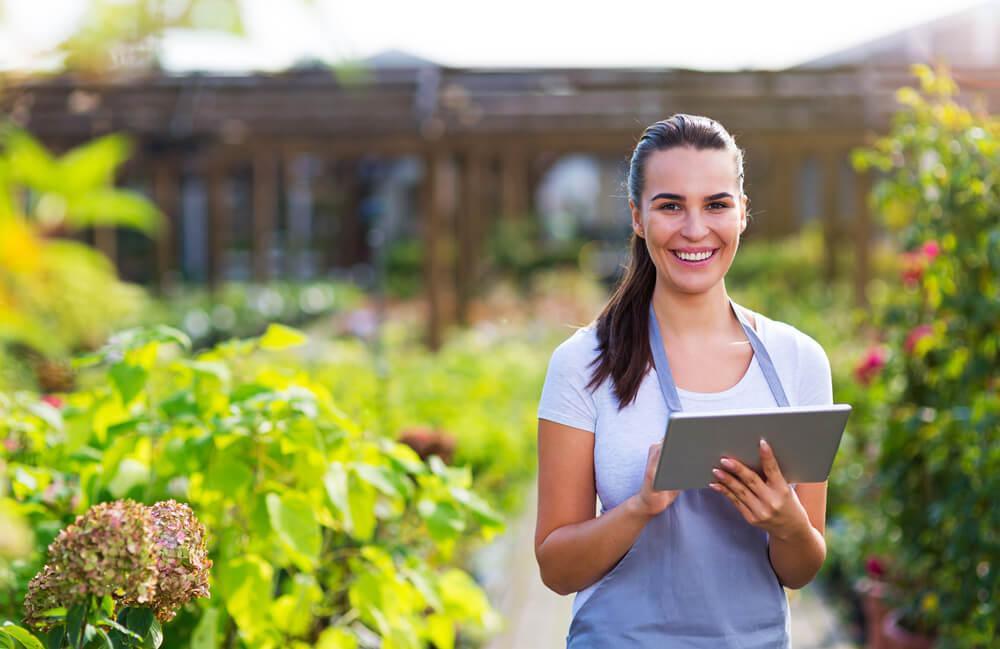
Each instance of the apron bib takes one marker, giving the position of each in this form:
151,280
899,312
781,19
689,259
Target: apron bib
657,596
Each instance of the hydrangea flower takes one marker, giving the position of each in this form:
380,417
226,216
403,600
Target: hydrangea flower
141,556
181,558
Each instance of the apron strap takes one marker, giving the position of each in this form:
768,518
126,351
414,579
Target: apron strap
669,389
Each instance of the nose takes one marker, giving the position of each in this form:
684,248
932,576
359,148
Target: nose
694,227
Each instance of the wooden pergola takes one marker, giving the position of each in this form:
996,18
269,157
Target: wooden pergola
484,137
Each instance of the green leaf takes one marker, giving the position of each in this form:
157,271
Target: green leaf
336,638
361,499
128,381
92,165
154,638
382,478
23,636
444,520
96,638
335,481
140,621
75,624
294,521
114,207
54,638
279,336
205,635
480,509
441,631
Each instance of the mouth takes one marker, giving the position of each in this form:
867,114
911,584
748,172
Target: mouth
695,258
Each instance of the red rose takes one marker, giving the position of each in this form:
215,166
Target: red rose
54,401
918,332
913,268
874,567
871,363
930,249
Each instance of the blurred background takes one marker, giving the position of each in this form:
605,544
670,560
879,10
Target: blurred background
442,178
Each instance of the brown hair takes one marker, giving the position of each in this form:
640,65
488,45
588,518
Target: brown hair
623,325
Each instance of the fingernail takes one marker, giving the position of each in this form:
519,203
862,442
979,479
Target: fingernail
717,473
714,485
726,463
763,444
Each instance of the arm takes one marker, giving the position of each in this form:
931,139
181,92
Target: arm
792,517
573,547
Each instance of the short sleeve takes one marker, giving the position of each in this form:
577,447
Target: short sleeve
815,379
565,397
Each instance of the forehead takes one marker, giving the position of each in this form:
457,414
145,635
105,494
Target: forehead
691,172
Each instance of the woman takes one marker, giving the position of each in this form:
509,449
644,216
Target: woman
702,567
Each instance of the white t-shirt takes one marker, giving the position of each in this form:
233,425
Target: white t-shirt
622,438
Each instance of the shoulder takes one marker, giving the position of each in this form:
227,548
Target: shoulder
788,342
578,351
800,358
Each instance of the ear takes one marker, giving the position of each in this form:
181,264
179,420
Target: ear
637,226
743,213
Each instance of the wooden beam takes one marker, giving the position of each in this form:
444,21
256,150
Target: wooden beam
432,211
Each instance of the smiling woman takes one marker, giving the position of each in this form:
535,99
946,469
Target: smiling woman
702,567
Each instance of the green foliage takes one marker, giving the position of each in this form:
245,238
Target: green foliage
321,532
58,295
939,461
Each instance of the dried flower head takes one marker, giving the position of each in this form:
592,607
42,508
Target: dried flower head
181,558
106,551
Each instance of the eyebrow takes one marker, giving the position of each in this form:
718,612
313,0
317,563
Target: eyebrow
678,197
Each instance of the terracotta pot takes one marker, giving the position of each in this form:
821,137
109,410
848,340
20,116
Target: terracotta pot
896,637
873,604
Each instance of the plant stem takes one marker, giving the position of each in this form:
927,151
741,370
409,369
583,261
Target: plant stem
83,626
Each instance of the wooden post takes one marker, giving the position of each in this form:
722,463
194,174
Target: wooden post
431,232
265,170
830,214
166,190
862,237
468,230
513,186
218,224
351,232
784,192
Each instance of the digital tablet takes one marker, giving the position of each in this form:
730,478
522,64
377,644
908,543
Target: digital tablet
804,440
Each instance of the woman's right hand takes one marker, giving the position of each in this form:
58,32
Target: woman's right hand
649,501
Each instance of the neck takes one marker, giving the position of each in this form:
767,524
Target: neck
697,315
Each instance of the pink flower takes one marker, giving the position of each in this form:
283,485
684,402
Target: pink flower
53,400
930,249
871,363
918,332
913,268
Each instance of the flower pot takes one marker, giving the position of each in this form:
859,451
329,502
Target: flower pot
896,637
873,605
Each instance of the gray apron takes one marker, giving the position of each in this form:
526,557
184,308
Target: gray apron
698,575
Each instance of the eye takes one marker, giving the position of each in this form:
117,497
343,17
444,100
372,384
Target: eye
670,207
717,205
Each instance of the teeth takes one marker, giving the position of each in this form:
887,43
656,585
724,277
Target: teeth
698,256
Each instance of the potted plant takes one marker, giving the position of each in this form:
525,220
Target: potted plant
939,459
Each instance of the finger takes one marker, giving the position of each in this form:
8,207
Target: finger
752,501
745,474
745,511
770,463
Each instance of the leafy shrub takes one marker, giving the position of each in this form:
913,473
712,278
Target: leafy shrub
939,461
321,532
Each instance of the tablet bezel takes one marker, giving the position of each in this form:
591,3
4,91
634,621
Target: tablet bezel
694,442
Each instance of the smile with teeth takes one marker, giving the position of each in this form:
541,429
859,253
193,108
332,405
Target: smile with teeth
693,256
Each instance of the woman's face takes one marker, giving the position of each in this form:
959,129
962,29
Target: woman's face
691,216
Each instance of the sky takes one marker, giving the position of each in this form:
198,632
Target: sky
700,34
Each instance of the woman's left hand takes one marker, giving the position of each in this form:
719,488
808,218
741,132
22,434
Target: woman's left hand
769,503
